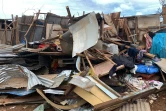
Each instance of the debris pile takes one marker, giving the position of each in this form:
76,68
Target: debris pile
91,62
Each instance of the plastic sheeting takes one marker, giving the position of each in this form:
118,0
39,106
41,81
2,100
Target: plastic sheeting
159,45
147,69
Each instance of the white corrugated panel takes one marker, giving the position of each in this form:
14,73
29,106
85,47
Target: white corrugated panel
141,105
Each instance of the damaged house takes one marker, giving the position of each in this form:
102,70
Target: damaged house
98,62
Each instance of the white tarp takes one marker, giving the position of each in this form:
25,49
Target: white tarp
85,33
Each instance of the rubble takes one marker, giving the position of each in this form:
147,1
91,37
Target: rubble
93,62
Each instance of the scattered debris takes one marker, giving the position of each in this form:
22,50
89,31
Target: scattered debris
92,62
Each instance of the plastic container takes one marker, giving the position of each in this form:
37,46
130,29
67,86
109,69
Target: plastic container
112,48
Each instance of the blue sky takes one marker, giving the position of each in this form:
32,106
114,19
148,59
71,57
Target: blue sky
127,7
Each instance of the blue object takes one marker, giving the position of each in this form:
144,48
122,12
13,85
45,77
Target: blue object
147,69
23,41
18,92
159,45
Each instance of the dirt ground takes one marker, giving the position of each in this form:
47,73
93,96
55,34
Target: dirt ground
160,103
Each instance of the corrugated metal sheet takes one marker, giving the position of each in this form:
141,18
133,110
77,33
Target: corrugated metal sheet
16,71
85,33
140,105
8,49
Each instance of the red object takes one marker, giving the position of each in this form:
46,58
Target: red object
42,45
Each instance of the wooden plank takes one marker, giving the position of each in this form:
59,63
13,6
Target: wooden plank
107,58
126,29
6,32
110,92
164,14
17,32
13,30
102,29
69,14
72,106
34,28
100,94
136,28
83,62
30,28
93,71
103,68
89,97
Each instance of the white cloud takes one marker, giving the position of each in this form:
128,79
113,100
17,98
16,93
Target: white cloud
105,2
123,7
17,7
139,13
126,7
29,7
117,9
61,1
146,1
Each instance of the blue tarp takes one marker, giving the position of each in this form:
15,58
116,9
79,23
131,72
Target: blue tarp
159,45
147,69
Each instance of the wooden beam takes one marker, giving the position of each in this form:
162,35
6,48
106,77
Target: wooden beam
69,14
6,34
30,28
90,64
102,29
107,58
13,30
17,31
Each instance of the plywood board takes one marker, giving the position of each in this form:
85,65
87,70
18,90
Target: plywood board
100,94
49,30
103,68
89,97
148,21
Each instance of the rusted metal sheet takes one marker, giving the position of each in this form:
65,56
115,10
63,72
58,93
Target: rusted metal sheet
141,105
148,21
